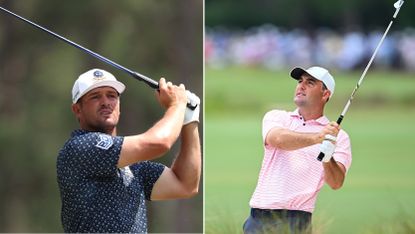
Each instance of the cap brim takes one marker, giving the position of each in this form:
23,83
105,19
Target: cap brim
118,86
297,72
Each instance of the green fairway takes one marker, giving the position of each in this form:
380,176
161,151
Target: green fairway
380,185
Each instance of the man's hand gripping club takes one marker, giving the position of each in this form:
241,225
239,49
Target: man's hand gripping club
328,145
170,94
192,115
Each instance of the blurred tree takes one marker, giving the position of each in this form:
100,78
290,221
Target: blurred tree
36,77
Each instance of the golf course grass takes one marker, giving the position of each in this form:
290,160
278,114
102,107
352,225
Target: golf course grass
379,191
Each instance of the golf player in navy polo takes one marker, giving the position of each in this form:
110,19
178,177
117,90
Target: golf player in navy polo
105,179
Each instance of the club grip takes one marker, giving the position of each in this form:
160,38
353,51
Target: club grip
150,82
154,84
340,119
320,156
190,106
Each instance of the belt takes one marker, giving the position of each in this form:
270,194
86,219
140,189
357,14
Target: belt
282,213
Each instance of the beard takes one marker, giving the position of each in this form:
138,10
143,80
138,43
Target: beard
105,128
102,124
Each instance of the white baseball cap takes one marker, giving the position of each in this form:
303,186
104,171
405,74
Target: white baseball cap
319,73
92,79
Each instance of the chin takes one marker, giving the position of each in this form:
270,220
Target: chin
107,124
110,120
299,103
110,124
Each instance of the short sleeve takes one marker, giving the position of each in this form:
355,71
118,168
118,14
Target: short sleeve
272,119
94,154
147,173
343,152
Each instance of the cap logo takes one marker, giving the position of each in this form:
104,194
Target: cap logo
98,75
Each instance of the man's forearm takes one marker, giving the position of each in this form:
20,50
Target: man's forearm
156,141
289,140
168,128
334,174
187,165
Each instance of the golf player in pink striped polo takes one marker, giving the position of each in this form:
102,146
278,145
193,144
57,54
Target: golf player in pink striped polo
291,176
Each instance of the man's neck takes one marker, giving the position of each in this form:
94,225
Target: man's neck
110,131
308,114
113,132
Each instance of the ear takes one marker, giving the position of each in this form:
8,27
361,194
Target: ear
76,109
326,95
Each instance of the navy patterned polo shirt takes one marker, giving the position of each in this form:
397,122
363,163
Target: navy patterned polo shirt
96,195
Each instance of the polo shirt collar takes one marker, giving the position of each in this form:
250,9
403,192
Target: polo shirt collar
323,120
78,132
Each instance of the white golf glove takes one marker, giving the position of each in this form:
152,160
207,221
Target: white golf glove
192,115
328,147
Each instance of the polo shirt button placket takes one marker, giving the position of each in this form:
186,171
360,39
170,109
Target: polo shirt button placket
301,118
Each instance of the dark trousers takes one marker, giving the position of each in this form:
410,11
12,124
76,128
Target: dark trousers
263,221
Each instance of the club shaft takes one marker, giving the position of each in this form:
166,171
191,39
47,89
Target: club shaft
346,107
136,75
150,82
349,102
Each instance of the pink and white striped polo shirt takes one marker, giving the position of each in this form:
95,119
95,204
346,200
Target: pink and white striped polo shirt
292,179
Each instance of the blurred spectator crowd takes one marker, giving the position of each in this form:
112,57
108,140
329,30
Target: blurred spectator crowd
273,48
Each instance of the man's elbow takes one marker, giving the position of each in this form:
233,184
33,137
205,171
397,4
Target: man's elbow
186,194
163,143
164,146
167,135
276,142
336,185
191,193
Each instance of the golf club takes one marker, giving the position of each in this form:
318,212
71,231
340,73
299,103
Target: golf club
397,6
150,82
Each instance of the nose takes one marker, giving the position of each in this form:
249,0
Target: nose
105,101
301,85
